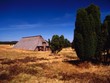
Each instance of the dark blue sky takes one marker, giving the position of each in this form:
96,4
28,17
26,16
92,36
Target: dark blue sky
20,18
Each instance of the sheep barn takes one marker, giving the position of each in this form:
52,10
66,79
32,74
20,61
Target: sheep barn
35,43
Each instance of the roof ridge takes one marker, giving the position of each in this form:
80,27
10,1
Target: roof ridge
32,36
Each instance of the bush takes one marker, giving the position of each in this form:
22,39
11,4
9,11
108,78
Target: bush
58,42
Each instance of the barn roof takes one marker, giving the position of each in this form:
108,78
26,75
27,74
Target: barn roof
31,42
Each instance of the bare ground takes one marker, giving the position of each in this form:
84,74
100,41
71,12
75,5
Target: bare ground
19,66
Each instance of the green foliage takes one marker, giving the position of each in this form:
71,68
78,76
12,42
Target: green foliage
55,44
94,11
107,23
66,43
107,27
87,37
58,42
62,41
79,45
104,35
72,44
49,41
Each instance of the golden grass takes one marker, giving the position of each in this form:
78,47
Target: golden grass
20,66
9,52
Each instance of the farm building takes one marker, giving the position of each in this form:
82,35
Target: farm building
36,43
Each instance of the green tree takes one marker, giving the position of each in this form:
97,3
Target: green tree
107,23
72,44
95,12
87,32
67,43
55,44
49,41
58,42
104,35
107,26
62,41
79,45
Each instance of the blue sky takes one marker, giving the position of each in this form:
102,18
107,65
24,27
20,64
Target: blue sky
21,18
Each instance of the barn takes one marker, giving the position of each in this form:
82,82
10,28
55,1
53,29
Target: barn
35,43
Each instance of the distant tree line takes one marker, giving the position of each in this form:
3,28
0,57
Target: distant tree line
58,42
8,42
91,37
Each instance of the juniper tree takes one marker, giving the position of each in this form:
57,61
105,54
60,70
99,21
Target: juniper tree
107,26
94,11
87,35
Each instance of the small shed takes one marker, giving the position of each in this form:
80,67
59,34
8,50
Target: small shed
35,43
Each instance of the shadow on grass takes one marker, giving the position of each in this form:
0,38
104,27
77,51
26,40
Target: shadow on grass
24,60
78,62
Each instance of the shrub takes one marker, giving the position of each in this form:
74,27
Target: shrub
58,42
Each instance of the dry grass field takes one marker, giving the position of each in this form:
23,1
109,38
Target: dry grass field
19,66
